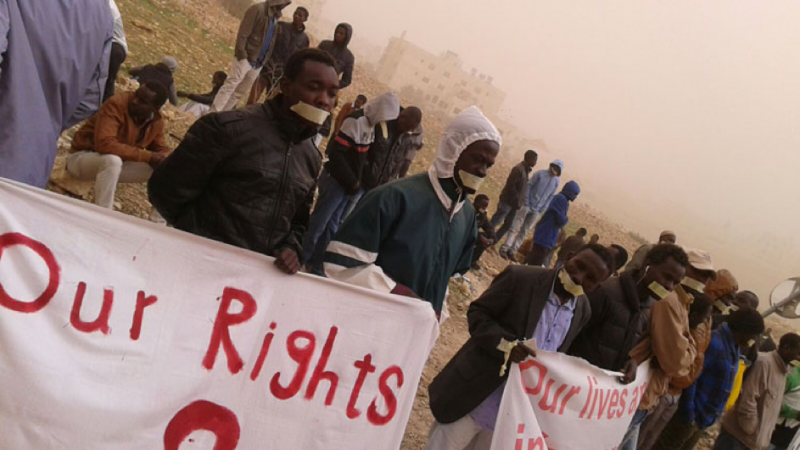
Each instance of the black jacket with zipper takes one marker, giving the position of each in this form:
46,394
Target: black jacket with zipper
245,177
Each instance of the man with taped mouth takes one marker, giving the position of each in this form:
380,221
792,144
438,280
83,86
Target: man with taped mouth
410,236
523,302
247,177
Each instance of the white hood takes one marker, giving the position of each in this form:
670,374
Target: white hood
381,109
468,127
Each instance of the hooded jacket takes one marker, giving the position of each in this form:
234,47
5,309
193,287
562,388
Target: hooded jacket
618,321
554,219
542,187
418,231
253,30
343,56
349,150
245,177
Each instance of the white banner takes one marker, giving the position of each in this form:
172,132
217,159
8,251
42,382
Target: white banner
557,402
116,333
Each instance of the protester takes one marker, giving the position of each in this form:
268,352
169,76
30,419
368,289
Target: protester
254,46
551,223
749,425
486,234
341,182
247,177
345,61
161,72
54,59
571,245
666,237
412,235
621,308
522,303
410,143
670,346
291,38
122,143
722,291
347,109
199,104
594,239
540,191
788,423
387,152
119,51
700,330
513,195
620,257
702,403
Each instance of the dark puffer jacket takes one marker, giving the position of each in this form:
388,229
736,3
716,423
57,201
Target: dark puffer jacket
245,177
618,321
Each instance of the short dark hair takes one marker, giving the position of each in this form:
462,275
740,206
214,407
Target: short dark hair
362,97
414,112
661,252
221,74
480,198
602,252
294,66
752,295
531,154
789,340
161,91
303,9
581,232
746,321
622,256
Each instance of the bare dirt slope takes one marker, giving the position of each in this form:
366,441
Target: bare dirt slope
199,34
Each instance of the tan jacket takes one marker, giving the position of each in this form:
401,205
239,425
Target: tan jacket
702,338
253,30
668,344
753,418
112,131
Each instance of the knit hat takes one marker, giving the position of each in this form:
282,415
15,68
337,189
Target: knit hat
170,62
748,321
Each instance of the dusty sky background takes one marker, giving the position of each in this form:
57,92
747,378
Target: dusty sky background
679,115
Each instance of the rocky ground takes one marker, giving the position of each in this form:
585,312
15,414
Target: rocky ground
199,33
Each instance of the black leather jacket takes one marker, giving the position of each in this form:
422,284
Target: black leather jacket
245,177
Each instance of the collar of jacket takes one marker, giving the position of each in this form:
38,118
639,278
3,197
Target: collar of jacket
779,363
444,198
629,291
291,126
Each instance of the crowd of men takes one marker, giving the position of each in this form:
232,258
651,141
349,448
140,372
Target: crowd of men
249,177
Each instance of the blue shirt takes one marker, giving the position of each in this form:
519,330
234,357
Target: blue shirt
541,188
550,332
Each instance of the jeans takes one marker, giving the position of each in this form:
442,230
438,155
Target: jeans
331,204
106,171
505,214
657,420
523,222
117,58
238,83
726,441
632,436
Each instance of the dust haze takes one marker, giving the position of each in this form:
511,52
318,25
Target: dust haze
678,115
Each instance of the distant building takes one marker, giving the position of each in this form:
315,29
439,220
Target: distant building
438,83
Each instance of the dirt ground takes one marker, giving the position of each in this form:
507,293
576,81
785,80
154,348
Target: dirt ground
199,33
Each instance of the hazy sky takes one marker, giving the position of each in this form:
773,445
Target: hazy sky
678,114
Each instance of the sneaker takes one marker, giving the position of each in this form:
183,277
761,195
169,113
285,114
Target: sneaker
510,256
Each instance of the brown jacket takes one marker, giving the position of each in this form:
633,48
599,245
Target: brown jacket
702,338
753,418
112,131
253,31
669,343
